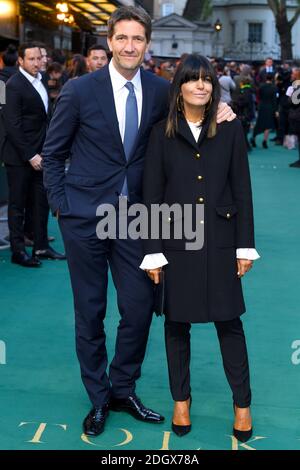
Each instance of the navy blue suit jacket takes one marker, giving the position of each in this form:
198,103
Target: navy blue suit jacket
84,128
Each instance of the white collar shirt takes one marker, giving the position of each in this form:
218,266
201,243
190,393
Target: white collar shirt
36,82
120,93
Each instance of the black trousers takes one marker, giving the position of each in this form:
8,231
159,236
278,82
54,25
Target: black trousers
89,260
23,181
234,354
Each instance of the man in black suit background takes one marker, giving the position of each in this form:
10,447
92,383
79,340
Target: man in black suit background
25,117
268,68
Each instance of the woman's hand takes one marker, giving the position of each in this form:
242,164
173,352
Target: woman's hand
154,274
243,266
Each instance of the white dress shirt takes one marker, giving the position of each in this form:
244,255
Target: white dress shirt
36,82
121,92
157,260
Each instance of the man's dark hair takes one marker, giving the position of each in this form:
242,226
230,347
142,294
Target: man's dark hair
41,45
133,14
10,56
27,45
96,47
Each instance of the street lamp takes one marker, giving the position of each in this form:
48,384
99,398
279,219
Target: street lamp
63,16
218,28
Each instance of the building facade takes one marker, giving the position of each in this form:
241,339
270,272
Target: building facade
247,32
174,35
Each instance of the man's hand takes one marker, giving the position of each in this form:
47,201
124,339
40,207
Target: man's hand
154,274
225,113
243,266
36,162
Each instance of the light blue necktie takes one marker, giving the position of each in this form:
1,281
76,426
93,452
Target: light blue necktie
131,128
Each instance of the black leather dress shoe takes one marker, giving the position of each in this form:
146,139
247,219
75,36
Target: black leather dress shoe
295,164
94,422
135,407
23,259
49,253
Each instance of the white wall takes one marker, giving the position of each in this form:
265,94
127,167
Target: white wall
178,7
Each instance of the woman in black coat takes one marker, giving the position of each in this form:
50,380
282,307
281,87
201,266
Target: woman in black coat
203,168
266,118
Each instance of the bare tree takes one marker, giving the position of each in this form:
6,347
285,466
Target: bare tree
284,25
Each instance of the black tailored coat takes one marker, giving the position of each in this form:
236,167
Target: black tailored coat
202,285
266,109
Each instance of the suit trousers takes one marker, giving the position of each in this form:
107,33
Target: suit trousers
23,183
89,260
234,354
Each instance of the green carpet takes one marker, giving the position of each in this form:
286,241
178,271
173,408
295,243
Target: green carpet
42,400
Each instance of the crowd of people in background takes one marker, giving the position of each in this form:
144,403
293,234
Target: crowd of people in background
261,96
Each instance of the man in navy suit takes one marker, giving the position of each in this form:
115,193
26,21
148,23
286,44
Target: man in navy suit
102,122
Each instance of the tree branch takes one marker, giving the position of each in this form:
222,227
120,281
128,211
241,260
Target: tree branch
274,5
295,17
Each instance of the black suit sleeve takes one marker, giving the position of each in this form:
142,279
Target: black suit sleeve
154,182
58,144
12,119
241,187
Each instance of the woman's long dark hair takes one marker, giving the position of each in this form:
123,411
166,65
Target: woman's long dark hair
191,68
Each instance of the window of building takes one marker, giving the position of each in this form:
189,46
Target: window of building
255,32
167,9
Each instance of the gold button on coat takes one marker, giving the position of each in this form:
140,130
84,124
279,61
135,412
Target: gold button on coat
197,155
200,199
228,215
200,177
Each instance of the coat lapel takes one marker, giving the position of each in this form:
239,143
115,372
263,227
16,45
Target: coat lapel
33,91
104,95
185,132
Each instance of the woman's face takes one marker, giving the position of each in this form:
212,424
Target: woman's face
197,92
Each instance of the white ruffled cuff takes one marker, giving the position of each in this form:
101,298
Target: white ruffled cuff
247,253
153,261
